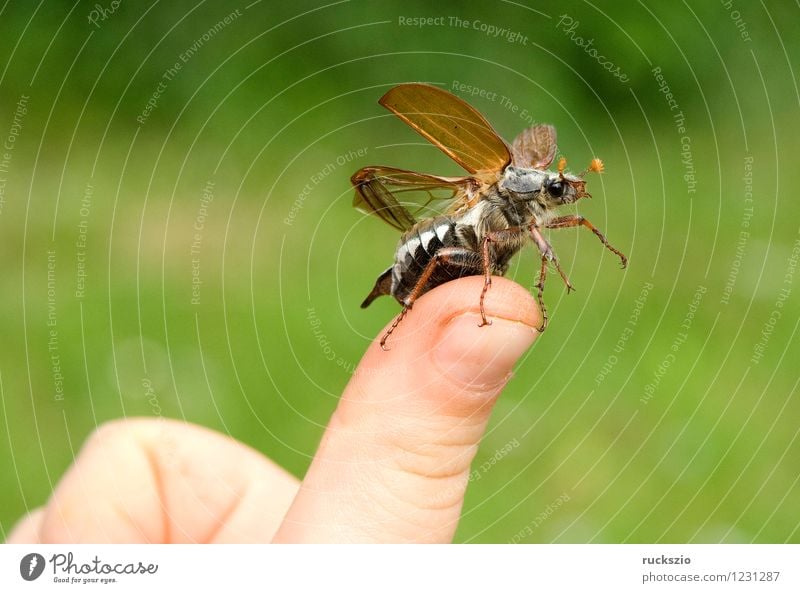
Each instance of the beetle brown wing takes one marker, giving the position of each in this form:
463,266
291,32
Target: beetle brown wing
452,125
535,147
401,197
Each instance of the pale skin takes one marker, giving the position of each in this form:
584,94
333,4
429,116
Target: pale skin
393,464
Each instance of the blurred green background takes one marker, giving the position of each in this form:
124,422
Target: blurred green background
660,405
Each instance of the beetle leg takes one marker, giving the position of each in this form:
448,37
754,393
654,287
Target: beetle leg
458,256
549,255
501,236
540,292
577,220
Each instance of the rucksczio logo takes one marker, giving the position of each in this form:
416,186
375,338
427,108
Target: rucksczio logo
31,566
666,559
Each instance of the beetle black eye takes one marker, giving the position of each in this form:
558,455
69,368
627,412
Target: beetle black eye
556,189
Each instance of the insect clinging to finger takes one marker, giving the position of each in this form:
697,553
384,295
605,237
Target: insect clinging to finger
506,200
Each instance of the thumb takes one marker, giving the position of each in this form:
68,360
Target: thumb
394,462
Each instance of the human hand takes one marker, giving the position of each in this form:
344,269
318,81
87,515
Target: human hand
393,465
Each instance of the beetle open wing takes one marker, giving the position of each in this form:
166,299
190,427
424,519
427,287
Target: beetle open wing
451,124
401,197
535,147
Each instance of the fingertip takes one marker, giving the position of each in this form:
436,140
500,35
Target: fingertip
505,300
442,355
478,357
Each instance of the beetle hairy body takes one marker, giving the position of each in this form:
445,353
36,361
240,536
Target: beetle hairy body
509,197
419,245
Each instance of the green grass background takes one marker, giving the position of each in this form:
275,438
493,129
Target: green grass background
275,97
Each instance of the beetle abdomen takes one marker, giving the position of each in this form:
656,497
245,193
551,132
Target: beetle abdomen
418,247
